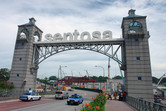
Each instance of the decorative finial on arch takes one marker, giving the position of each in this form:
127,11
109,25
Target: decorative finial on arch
32,20
131,12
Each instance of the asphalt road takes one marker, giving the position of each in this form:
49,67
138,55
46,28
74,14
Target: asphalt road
60,105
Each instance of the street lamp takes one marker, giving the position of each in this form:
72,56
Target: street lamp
60,71
60,74
103,69
161,79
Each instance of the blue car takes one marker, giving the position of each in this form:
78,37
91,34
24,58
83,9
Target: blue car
30,96
75,99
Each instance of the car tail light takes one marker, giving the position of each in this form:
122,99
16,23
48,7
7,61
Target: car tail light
62,92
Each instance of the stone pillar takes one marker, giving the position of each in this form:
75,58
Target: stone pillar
23,71
138,77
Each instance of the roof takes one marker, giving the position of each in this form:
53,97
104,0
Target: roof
131,14
31,23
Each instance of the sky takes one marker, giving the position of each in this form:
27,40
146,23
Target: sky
61,16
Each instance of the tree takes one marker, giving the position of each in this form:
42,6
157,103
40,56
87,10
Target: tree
4,77
155,80
4,73
99,79
53,78
163,80
117,77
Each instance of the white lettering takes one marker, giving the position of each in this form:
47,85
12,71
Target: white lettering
107,35
48,37
96,35
58,37
85,34
76,34
68,35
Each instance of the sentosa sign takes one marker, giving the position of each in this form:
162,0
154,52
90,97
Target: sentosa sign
76,36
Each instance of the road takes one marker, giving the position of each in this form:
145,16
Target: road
48,103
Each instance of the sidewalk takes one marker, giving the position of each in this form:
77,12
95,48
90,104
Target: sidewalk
115,105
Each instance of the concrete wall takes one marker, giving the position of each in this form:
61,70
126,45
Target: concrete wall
23,74
138,78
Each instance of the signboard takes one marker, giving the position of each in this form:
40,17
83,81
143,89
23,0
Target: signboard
76,36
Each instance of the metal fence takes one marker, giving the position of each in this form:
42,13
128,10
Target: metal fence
10,92
143,105
6,94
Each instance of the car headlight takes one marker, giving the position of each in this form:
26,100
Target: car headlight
76,100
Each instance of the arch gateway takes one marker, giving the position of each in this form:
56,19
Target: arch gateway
133,46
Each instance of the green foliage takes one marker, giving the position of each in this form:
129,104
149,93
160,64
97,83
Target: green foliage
117,77
155,80
45,81
6,85
164,84
73,86
99,79
98,104
4,77
4,73
53,78
163,80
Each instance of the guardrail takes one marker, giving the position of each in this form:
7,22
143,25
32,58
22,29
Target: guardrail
143,105
87,89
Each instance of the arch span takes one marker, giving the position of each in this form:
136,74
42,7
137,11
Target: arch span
109,48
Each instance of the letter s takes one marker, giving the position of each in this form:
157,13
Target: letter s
107,34
48,37
96,35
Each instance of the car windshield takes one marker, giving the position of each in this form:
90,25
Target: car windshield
58,92
74,96
27,93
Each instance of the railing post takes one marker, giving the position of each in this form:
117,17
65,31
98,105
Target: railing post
142,105
154,107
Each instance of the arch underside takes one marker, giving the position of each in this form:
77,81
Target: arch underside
42,51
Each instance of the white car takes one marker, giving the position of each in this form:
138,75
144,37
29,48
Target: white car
30,96
61,95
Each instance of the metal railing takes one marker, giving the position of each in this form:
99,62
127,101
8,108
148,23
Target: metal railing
143,105
7,94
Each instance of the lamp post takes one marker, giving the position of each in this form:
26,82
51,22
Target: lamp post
103,70
103,74
60,71
59,75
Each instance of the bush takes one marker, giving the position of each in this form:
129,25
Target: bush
6,85
98,104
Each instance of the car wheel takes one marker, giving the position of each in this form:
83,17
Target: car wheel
39,98
68,103
31,99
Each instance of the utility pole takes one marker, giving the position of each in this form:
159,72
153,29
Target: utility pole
109,70
72,73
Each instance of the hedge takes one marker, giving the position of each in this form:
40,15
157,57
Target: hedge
98,104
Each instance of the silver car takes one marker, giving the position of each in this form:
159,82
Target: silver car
61,95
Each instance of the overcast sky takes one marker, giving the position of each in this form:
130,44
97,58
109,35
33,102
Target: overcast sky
60,16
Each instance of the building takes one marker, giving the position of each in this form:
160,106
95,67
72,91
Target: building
70,80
